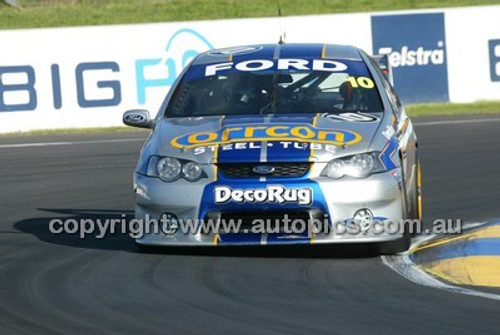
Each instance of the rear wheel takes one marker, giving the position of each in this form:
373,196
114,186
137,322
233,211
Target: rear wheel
420,209
415,211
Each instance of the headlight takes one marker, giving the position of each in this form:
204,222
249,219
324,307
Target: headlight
169,169
192,171
358,166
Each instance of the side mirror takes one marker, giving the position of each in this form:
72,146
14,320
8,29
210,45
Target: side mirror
137,118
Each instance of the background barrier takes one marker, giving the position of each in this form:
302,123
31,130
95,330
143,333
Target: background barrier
88,76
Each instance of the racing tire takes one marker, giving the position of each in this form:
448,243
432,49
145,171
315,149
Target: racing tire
391,247
399,245
147,249
415,211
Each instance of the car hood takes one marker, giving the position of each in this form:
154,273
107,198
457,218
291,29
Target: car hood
263,138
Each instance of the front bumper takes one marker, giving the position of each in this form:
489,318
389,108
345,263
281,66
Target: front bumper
335,200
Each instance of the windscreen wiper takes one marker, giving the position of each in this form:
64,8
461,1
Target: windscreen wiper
272,104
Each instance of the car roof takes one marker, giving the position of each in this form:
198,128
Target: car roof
274,51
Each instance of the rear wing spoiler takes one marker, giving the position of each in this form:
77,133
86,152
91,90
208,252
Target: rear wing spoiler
385,66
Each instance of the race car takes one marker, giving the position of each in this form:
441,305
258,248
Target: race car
278,144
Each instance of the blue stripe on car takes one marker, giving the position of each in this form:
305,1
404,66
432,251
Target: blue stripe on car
251,153
304,50
287,151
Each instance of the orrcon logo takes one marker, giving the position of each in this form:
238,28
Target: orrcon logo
416,57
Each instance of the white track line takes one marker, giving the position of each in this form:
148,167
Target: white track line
49,144
435,123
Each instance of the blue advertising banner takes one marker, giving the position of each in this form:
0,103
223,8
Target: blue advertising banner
416,47
494,48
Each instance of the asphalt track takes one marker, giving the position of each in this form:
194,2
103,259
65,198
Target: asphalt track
60,284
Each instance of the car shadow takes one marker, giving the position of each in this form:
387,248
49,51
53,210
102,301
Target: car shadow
121,239
39,227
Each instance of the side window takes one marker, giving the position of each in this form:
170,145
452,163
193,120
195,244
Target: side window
395,100
391,94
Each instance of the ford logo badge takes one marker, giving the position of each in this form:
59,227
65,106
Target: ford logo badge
134,118
263,169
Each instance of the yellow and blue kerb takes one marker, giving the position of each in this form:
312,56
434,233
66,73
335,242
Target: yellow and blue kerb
472,258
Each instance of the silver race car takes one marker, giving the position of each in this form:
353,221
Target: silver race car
278,144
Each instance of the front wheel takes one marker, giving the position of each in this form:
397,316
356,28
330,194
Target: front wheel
391,247
403,244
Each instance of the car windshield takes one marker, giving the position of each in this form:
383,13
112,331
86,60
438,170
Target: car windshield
228,89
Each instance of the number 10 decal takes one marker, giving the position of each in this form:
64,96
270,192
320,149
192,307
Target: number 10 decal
363,82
